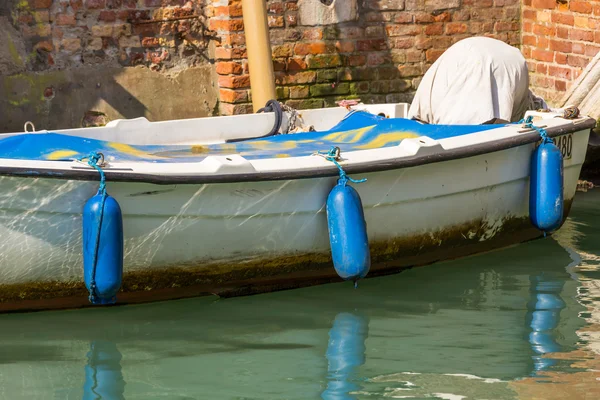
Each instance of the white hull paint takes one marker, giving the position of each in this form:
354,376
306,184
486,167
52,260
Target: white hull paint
206,226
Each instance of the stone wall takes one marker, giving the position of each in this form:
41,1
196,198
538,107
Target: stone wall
375,50
559,39
125,58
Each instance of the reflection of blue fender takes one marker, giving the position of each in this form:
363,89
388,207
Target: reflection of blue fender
345,353
103,376
543,318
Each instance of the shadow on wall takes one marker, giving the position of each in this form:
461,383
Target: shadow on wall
56,66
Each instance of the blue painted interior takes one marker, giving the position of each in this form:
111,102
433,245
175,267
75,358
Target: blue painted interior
358,130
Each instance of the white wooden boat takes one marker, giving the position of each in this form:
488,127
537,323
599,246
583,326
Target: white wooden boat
205,215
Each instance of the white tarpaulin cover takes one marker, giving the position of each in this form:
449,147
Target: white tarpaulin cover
476,80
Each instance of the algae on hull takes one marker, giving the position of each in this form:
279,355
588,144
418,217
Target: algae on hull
239,277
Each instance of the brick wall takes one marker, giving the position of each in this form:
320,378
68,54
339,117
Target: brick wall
559,39
323,51
377,54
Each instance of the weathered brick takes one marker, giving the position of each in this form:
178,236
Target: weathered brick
544,30
107,16
560,58
95,4
303,49
41,4
501,26
409,70
71,45
275,8
234,82
375,59
560,18
296,64
284,50
434,29
344,46
433,54
359,87
356,60
591,50
150,42
582,22
305,104
374,31
324,61
222,53
456,27
403,30
327,75
580,6
226,25
529,40
279,64
228,68
296,78
65,19
560,45
325,89
299,92
560,72
580,34
41,17
291,19
577,61
542,55
560,85
129,41
313,34
275,21
233,96
371,45
234,109
548,4
402,43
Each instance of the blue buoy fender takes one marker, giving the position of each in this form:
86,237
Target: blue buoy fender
546,187
102,248
348,232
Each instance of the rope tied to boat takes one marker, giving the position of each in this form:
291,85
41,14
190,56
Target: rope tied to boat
96,160
528,123
334,155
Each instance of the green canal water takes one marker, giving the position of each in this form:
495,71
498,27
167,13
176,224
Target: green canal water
520,323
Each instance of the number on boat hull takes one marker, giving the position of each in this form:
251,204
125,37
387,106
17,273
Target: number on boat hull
564,144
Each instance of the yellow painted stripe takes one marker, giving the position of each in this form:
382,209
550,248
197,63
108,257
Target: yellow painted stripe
61,154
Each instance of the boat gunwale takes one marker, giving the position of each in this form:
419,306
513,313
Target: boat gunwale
117,174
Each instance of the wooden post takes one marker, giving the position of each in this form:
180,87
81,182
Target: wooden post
258,47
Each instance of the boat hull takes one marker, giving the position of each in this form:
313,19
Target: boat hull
243,238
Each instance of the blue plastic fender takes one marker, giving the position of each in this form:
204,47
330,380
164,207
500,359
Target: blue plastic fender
348,232
103,254
546,187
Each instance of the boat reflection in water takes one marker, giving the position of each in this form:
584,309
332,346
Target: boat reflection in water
103,374
543,317
345,353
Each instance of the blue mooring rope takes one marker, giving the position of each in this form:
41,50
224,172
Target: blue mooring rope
333,155
93,159
528,123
